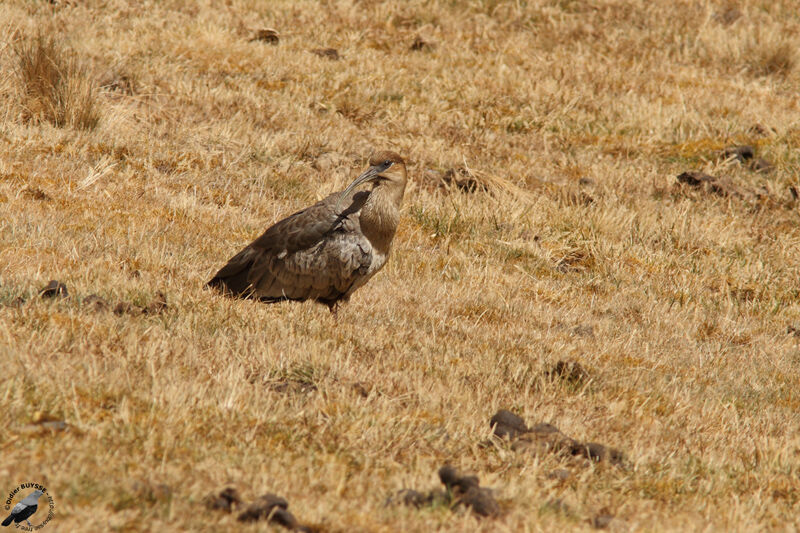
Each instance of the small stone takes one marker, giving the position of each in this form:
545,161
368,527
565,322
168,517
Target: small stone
421,43
54,289
125,308
412,498
481,501
267,35
695,178
226,500
271,508
507,425
36,193
570,371
328,53
740,153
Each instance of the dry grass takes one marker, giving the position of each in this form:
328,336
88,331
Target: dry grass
577,116
53,84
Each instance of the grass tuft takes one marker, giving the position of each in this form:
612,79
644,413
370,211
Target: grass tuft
54,85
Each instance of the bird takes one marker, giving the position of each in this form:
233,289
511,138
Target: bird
328,250
24,509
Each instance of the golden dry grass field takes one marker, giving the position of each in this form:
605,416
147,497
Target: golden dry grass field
143,143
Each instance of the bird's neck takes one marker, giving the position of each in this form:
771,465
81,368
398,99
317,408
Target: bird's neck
380,215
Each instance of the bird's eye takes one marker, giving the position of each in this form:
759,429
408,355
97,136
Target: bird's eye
387,163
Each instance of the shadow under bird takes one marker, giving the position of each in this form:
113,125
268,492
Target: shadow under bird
328,250
24,509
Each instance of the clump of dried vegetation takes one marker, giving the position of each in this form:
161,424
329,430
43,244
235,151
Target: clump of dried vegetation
586,243
53,84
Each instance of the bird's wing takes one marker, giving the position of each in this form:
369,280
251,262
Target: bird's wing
19,508
304,229
315,253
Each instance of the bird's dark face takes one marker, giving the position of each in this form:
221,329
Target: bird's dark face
384,167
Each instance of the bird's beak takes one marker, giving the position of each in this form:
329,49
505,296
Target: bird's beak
370,174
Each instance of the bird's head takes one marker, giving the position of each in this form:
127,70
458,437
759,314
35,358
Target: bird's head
385,168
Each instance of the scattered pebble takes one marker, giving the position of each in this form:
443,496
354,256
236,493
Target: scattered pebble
570,371
695,178
36,193
506,424
546,438
329,53
466,490
422,44
125,308
710,184
227,500
54,289
273,509
461,490
740,153
267,35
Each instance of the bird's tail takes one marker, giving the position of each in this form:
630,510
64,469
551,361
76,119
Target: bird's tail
7,521
233,278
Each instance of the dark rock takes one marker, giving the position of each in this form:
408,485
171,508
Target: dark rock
267,35
54,289
481,501
329,53
421,43
463,180
451,479
507,424
466,490
598,452
271,508
125,308
741,153
570,371
695,178
226,500
36,193
413,498
546,438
